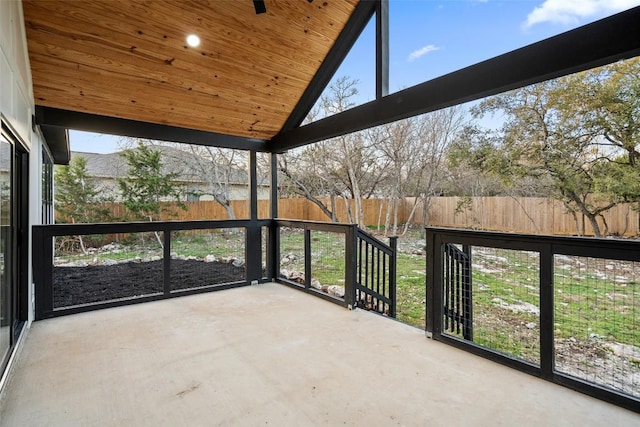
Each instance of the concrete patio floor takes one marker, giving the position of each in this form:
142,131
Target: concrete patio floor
270,355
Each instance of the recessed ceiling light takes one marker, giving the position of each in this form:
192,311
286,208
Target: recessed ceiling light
193,40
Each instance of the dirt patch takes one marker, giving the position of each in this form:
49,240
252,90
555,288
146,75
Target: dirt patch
99,283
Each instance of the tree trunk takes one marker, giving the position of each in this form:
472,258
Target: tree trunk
333,208
156,234
594,224
395,216
414,208
349,212
426,204
387,218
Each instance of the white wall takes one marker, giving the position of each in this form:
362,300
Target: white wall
17,104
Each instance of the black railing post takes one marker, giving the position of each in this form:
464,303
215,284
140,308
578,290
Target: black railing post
307,258
166,258
546,312
433,283
273,254
253,252
350,278
41,252
393,243
467,295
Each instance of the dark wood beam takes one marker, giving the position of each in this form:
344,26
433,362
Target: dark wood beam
345,41
382,49
614,38
136,129
57,139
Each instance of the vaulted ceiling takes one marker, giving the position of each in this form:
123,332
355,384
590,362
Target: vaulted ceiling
129,59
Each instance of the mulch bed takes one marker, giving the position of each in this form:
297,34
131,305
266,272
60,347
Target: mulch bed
99,283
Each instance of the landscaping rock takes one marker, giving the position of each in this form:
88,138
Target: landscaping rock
288,259
336,291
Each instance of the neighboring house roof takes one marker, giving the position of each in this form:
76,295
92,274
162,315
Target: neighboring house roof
174,160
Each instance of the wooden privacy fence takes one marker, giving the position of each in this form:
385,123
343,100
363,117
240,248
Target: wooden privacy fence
534,215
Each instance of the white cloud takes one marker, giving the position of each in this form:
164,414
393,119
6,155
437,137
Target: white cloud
422,51
567,12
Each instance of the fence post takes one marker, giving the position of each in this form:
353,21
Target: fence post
393,243
350,241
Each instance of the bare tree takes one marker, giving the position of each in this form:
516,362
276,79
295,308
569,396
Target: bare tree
343,167
413,160
220,169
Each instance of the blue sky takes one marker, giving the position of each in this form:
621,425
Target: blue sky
430,38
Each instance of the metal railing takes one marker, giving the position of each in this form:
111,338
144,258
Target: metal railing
561,308
316,257
337,262
82,267
376,273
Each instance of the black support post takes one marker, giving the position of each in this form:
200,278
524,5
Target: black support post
253,236
273,256
382,49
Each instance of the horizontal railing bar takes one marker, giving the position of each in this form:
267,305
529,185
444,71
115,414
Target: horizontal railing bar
373,293
379,244
76,309
599,392
132,227
313,225
312,291
623,249
502,358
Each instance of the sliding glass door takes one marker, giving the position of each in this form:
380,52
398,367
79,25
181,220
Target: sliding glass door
14,166
6,246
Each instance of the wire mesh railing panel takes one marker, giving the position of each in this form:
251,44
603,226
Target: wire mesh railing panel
597,321
328,262
202,258
99,268
504,301
292,254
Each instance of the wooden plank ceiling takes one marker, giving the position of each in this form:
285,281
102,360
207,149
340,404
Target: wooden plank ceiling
129,59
